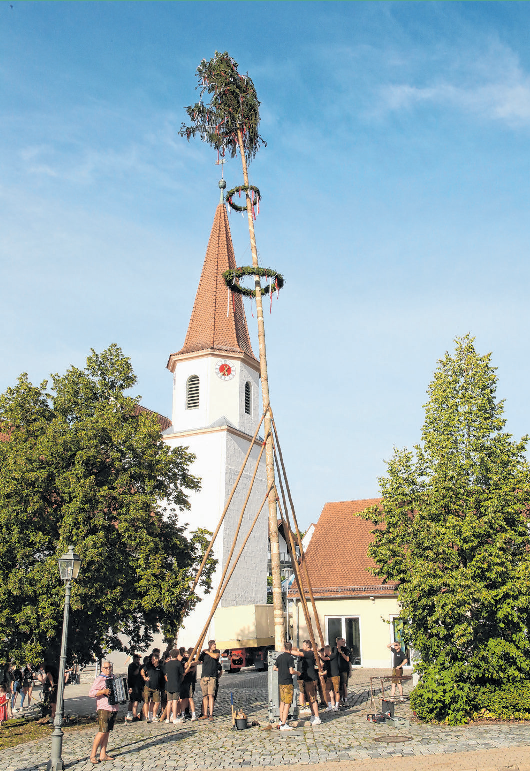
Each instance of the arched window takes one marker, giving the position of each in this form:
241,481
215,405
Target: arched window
192,392
248,398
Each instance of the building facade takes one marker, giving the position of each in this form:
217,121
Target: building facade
351,602
215,413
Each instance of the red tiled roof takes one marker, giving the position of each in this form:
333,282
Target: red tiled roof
337,559
210,327
162,420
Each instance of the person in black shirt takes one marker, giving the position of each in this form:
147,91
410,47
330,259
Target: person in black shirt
343,659
399,659
174,674
152,676
27,685
187,689
329,658
209,658
285,668
135,685
309,677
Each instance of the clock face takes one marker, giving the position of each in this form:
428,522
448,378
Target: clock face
225,370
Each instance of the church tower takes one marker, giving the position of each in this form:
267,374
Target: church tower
216,410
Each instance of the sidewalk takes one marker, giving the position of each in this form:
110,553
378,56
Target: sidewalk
344,741
490,760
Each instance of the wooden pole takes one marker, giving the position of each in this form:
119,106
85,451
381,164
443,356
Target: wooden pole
214,536
294,562
222,586
279,627
298,536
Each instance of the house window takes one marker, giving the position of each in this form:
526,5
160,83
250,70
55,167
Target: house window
248,398
192,392
348,628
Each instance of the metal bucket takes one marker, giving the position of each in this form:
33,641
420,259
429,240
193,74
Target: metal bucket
241,723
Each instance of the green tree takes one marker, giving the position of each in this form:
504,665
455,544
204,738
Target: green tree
455,535
83,464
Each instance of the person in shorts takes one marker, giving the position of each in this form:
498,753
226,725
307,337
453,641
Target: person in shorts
285,667
135,685
174,674
152,676
344,655
50,689
27,686
209,658
399,659
309,678
106,714
329,657
187,689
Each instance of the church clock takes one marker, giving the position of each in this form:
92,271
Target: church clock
225,370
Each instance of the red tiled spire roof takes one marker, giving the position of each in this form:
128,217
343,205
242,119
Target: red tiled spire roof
210,328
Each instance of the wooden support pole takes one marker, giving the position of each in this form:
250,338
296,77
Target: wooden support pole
296,568
214,536
279,628
298,536
222,586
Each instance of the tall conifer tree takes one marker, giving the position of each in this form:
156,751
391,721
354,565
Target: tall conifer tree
456,537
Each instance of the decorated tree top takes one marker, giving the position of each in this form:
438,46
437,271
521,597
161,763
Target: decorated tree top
233,107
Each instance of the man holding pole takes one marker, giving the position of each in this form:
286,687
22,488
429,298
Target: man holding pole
209,658
285,668
309,678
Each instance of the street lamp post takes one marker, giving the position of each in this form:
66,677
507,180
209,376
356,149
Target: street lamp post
69,565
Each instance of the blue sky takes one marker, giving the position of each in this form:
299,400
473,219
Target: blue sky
395,201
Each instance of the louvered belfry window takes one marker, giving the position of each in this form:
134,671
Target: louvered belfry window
248,398
192,392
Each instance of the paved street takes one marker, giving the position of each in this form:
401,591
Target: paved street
341,739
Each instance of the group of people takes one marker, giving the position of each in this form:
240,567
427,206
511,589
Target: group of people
16,681
166,684
333,665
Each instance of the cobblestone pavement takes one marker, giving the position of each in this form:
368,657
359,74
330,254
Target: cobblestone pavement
346,736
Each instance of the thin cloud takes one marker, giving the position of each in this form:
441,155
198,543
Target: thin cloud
491,88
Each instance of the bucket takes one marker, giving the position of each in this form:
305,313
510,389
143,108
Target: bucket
241,723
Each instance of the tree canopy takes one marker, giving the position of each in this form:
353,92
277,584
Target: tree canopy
456,537
233,107
81,463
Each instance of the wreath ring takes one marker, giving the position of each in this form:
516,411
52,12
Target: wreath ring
241,189
233,276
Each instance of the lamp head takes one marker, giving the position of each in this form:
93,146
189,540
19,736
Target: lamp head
69,565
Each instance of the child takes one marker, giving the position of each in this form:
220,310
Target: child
4,701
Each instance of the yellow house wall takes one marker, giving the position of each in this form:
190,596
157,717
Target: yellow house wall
374,627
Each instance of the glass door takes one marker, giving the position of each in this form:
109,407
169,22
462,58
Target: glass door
347,627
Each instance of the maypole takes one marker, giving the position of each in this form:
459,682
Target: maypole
230,122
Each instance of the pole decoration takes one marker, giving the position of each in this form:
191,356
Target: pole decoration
233,107
252,190
233,276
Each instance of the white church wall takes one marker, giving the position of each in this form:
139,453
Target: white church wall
248,584
206,507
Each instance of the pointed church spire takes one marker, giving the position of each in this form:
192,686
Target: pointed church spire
211,327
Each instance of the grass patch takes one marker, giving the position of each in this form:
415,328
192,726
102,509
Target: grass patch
20,731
